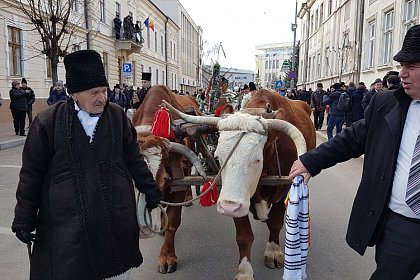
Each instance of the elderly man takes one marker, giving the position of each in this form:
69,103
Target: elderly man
76,183
57,94
386,210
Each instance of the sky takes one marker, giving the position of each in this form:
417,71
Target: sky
241,25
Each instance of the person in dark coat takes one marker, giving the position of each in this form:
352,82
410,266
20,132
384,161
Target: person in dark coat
336,116
348,119
306,96
118,97
117,26
356,102
57,94
386,209
377,87
76,183
18,106
30,98
146,79
317,107
393,82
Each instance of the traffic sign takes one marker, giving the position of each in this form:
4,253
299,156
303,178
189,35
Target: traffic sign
126,67
279,84
292,75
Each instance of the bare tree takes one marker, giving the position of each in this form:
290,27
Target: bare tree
51,19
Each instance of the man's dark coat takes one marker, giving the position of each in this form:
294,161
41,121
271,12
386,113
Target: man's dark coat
79,196
378,136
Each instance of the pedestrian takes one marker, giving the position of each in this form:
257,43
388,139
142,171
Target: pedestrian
393,82
76,183
348,119
18,107
30,98
57,94
117,26
118,97
1,100
252,87
317,107
336,116
386,210
356,102
146,85
377,87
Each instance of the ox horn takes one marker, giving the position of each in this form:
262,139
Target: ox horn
291,131
185,151
192,119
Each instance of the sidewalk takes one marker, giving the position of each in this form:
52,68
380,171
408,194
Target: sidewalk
8,139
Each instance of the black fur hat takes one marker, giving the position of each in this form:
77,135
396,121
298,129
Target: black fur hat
410,51
252,86
84,70
23,81
146,76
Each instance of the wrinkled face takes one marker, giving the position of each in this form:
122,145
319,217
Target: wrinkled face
242,172
410,78
92,100
145,83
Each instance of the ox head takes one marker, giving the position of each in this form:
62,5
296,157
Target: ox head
242,171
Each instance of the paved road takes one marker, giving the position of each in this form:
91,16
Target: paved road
205,242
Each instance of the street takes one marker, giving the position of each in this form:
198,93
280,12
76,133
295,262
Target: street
205,242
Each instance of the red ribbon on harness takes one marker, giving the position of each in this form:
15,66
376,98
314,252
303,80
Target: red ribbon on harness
210,198
162,124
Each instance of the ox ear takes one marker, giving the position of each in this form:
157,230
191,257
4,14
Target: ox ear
291,131
191,119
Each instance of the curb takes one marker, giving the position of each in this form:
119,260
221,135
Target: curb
12,143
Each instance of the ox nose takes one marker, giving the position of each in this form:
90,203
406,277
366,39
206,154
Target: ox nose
229,208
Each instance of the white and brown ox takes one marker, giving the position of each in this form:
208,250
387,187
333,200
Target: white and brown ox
292,131
165,160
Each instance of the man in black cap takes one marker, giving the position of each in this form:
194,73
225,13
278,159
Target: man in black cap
377,87
146,85
386,210
317,107
30,98
75,189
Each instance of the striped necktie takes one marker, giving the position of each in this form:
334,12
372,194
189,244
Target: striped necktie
412,196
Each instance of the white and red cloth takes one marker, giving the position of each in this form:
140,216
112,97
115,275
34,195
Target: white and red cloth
297,231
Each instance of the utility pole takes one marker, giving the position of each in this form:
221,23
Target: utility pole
294,27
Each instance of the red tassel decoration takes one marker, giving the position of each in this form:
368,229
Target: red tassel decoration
162,124
210,198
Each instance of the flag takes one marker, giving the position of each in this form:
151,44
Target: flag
146,22
152,25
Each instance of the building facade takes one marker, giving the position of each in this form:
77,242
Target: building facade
159,51
274,63
352,40
237,77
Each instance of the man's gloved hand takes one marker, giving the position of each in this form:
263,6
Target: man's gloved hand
25,236
153,198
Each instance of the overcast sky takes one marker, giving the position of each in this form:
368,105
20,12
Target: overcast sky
241,25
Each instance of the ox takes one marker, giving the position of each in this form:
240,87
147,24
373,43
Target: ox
292,131
165,165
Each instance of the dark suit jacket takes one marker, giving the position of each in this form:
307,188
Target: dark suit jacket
378,136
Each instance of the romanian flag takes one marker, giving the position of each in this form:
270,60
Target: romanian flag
152,25
146,22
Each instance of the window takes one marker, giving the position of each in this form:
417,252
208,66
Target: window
171,50
347,11
148,37
102,10
371,44
316,20
174,53
157,76
163,77
318,62
162,49
15,51
156,42
321,14
327,63
329,7
75,6
266,64
117,8
75,48
49,68
312,24
411,10
105,63
387,40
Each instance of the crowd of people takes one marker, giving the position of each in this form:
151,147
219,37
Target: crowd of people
127,29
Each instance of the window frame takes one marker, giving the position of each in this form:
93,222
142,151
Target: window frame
387,33
15,51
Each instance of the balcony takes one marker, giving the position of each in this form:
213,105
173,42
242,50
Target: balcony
130,42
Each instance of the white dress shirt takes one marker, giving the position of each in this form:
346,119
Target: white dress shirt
405,155
88,122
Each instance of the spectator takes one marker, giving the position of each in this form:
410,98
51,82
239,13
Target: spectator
348,119
117,26
317,107
306,96
30,98
377,87
146,84
57,94
76,182
356,102
393,82
18,106
336,116
118,97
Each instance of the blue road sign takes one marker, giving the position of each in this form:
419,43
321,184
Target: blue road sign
279,84
126,68
292,75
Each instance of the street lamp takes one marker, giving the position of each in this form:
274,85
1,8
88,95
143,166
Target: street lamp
294,27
